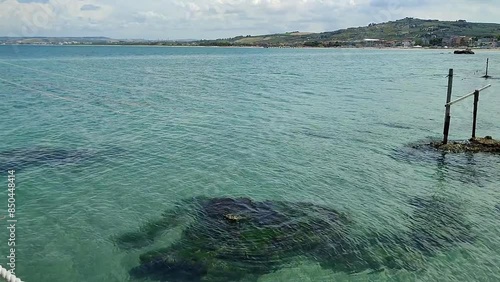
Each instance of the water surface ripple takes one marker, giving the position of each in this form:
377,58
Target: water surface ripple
108,138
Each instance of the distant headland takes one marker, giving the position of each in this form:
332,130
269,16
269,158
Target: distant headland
403,33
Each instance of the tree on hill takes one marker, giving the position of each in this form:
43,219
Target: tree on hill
216,43
333,44
312,44
436,42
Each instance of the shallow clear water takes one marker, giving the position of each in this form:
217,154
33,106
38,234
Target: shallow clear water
153,126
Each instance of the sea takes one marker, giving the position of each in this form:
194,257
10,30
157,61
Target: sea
104,139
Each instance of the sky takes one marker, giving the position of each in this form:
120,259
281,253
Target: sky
211,19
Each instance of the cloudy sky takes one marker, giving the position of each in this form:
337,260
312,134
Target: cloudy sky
197,19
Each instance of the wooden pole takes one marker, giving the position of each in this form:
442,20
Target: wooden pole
474,121
487,64
447,116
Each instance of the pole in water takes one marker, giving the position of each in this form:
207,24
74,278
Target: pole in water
474,114
447,116
487,64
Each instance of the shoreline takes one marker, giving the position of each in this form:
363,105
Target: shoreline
257,47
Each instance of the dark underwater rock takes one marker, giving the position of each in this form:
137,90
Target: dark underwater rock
228,239
265,236
22,158
438,223
167,267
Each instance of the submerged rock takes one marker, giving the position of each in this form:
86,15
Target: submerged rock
23,158
230,239
438,223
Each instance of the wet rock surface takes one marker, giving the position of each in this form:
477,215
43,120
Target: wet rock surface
474,145
230,239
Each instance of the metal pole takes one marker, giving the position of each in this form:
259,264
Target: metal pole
447,117
468,95
474,121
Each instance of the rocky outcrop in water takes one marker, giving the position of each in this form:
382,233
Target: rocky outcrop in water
228,239
474,145
466,51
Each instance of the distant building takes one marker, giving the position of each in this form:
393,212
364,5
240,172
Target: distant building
371,42
484,41
390,43
425,41
407,44
459,41
465,41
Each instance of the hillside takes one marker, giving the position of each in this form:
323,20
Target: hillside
404,29
405,32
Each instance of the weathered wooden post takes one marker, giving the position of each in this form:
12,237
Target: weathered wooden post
447,117
474,121
487,65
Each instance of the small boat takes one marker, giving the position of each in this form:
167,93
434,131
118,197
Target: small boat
466,51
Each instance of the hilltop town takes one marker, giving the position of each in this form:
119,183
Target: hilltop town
407,33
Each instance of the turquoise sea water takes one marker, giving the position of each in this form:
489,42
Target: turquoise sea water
140,128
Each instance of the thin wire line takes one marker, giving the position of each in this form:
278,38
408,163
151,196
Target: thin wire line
83,79
68,76
72,100
80,79
40,91
57,96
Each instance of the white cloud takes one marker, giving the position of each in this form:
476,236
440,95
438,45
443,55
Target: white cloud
151,15
219,18
50,17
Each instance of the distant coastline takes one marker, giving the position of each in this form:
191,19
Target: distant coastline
406,33
259,47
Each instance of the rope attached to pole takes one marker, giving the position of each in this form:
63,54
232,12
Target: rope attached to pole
9,277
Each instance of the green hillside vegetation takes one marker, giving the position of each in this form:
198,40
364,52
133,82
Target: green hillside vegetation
431,31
